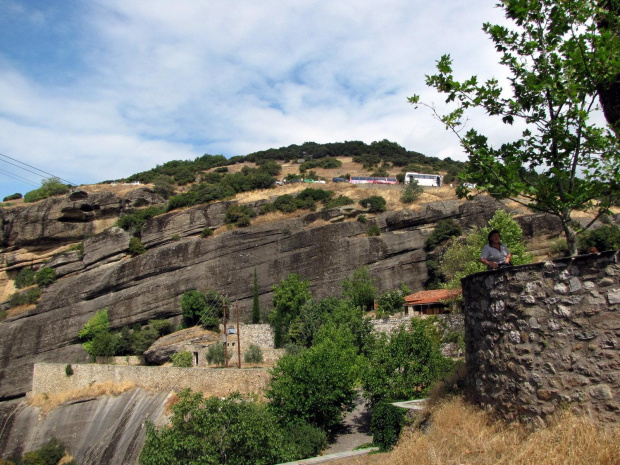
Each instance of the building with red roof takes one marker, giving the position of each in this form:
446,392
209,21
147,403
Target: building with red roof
432,302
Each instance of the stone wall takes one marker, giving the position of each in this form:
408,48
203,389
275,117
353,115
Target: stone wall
545,335
51,378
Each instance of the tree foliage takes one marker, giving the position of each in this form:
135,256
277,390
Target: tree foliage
557,55
234,430
461,258
204,308
404,365
411,192
360,289
374,204
25,278
288,298
315,384
46,276
49,187
217,355
96,333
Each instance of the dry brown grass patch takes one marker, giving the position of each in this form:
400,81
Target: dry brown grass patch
462,434
48,402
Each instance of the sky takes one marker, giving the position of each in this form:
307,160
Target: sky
94,90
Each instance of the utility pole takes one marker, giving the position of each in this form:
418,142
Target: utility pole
238,335
224,337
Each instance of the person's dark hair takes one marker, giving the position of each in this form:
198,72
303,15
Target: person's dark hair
491,233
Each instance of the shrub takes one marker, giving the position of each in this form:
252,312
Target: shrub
31,296
163,185
133,222
222,169
444,230
136,247
24,278
362,218
68,369
96,337
206,232
48,454
254,354
391,302
49,187
411,192
373,230
267,208
216,354
385,425
318,195
285,203
12,197
45,276
607,237
339,201
142,339
375,203
183,359
239,215
162,326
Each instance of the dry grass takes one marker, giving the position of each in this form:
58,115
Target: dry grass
48,402
462,434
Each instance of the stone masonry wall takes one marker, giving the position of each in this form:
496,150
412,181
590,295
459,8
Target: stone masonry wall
545,335
51,378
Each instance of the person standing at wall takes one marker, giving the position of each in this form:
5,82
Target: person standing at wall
495,254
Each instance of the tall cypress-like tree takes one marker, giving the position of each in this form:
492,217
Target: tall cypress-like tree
255,306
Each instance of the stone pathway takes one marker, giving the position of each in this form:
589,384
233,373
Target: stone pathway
356,429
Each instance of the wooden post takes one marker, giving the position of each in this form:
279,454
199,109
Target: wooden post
238,335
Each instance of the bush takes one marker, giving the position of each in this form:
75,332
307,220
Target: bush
254,354
68,369
136,247
163,185
239,215
24,278
133,222
385,425
285,203
216,354
48,454
267,208
362,219
391,302
31,296
162,326
12,197
444,230
206,232
374,204
411,192
373,230
49,187
318,195
183,359
142,339
607,237
45,276
339,201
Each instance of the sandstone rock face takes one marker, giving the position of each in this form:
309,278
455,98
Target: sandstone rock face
136,289
165,346
69,218
105,430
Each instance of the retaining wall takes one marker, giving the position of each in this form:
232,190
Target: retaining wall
545,335
51,378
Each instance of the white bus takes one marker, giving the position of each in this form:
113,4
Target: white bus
424,179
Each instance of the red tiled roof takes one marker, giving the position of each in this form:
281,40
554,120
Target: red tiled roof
431,297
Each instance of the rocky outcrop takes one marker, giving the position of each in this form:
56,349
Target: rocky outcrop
161,350
59,220
104,430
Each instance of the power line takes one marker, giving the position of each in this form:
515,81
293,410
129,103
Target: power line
18,178
34,168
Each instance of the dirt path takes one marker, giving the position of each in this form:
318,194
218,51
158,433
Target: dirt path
356,429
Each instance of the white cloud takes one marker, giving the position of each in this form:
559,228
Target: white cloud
157,80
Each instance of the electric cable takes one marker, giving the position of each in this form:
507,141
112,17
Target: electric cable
17,177
33,167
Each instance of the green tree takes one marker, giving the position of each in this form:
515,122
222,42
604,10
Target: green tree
391,302
202,308
315,384
217,355
360,289
49,187
461,258
234,431
404,365
607,237
255,303
444,230
557,56
163,185
288,298
95,335
411,192
254,354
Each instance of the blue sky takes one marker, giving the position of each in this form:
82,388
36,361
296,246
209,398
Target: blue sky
93,90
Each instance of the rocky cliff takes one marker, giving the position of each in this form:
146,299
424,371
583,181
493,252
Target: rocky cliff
322,247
